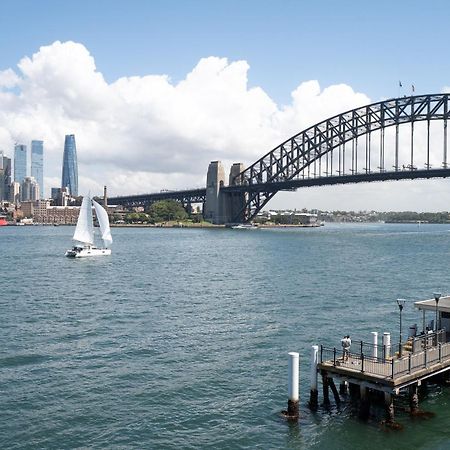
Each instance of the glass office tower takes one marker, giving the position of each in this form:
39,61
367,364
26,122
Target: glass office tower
37,164
20,162
5,176
70,166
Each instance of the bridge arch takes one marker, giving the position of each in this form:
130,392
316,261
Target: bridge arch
312,156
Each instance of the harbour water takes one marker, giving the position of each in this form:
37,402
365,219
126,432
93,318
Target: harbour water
180,338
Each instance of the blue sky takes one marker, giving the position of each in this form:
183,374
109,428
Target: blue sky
368,45
149,133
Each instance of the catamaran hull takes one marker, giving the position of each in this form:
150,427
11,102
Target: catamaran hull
88,252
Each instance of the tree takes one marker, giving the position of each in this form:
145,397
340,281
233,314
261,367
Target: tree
166,210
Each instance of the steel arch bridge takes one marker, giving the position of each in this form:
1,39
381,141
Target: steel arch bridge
400,138
342,149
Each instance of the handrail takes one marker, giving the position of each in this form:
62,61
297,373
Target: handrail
433,351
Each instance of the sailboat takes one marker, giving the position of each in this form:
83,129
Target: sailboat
84,231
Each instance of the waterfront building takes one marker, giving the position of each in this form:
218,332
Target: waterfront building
70,166
27,209
61,196
29,190
20,162
37,164
5,177
41,212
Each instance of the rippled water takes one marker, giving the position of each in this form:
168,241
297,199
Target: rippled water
180,339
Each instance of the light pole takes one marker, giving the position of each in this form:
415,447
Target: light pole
401,304
437,296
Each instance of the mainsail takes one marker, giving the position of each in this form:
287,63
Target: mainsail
84,232
103,221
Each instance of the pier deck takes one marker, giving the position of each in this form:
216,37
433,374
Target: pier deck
393,372
389,368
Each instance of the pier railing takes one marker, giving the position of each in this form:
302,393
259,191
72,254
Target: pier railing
385,361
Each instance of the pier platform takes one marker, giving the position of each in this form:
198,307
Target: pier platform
390,368
390,373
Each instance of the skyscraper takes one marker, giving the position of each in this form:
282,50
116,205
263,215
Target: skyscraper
29,191
20,162
70,166
37,164
5,176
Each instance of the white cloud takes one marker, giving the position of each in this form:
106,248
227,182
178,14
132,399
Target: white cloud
141,134
8,79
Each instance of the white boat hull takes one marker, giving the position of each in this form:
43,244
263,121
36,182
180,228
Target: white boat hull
244,226
87,252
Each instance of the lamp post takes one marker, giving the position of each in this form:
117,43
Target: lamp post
437,296
401,304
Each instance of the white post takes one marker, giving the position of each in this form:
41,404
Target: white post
386,344
375,344
293,377
314,393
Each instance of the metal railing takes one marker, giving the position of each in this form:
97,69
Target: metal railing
426,350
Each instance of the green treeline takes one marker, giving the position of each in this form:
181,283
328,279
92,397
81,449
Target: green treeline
162,211
411,216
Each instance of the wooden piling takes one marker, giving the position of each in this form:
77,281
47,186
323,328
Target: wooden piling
343,388
389,407
293,382
326,395
314,393
334,390
364,405
414,399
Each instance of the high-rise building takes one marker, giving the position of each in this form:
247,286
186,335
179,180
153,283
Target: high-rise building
29,191
37,164
70,166
20,162
60,196
14,192
5,176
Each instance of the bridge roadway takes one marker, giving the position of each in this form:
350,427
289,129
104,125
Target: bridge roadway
198,195
187,196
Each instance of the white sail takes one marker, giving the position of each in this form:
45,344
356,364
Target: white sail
103,221
84,232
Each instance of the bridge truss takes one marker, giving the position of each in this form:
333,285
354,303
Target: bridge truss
185,197
372,143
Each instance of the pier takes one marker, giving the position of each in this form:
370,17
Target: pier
389,369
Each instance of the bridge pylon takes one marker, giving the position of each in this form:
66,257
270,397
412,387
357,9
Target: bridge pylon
222,207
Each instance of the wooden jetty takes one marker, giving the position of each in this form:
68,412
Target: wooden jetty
389,369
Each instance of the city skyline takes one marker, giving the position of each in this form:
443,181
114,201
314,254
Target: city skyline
149,117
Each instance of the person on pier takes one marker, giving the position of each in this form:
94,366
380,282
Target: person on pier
346,342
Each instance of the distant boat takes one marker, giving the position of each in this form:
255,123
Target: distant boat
244,226
84,231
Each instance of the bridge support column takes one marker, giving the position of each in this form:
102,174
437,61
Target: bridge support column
215,179
223,207
234,202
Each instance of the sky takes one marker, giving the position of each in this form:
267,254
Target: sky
155,90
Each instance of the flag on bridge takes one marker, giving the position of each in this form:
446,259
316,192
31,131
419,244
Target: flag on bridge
400,84
413,88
